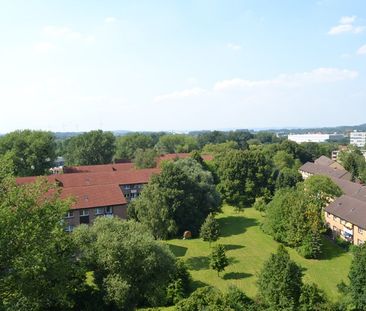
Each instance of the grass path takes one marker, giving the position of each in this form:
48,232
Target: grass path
247,248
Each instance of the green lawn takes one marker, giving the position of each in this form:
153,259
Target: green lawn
247,248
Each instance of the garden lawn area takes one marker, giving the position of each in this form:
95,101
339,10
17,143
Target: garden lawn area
247,248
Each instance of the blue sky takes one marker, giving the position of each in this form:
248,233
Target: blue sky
181,65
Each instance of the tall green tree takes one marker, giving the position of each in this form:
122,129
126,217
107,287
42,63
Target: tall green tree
312,298
127,145
218,259
244,175
94,147
145,158
279,282
178,199
130,268
210,230
176,143
32,152
357,276
38,270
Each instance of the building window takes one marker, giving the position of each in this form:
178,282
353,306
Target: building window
84,216
335,218
359,242
69,214
69,228
99,211
109,210
126,187
360,231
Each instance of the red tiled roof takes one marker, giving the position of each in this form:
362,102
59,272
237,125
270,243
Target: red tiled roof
99,168
141,176
94,196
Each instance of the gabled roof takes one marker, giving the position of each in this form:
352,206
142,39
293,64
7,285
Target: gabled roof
349,209
141,176
317,169
94,196
323,160
350,188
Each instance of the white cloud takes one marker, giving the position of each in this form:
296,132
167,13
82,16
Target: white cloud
362,50
43,47
320,75
66,33
347,19
346,25
180,95
110,20
234,47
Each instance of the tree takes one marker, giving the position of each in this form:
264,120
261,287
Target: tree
210,230
32,152
283,160
288,177
210,298
244,175
127,145
218,259
357,275
178,199
94,147
145,158
312,298
176,143
279,282
38,270
130,268
354,162
216,149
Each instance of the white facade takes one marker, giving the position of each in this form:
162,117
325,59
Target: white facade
313,137
358,139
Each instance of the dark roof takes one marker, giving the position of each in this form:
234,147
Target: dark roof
317,169
323,160
350,188
94,196
350,209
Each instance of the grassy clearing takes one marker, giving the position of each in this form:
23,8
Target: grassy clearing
247,248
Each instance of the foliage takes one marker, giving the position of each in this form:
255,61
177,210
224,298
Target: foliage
279,282
210,230
178,199
127,145
260,204
216,149
37,266
312,298
94,147
180,283
311,247
288,177
354,162
283,160
211,299
32,152
218,259
357,275
145,158
240,137
6,165
244,175
176,143
130,268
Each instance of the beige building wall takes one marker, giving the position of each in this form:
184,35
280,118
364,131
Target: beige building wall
359,235
339,226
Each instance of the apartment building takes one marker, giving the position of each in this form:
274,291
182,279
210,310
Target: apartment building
358,139
314,137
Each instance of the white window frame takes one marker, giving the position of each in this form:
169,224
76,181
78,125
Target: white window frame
109,210
84,212
99,211
69,214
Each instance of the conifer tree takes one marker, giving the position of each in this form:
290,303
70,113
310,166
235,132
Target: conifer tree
210,230
218,260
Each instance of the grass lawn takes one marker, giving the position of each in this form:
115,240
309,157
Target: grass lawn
247,248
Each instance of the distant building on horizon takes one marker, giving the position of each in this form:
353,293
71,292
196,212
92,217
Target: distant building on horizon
358,139
315,137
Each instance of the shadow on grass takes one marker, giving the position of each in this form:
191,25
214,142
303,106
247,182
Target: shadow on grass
197,284
198,263
178,251
234,225
233,260
236,275
230,247
331,250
